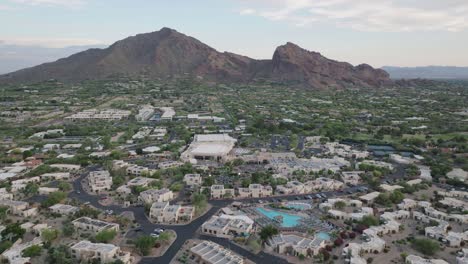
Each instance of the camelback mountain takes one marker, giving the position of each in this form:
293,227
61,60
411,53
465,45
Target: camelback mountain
168,53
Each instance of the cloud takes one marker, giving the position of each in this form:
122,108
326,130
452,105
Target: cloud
63,3
50,42
5,8
368,15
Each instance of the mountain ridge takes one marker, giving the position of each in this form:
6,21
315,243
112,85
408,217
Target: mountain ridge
167,53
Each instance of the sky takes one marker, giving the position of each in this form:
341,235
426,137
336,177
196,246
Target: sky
377,32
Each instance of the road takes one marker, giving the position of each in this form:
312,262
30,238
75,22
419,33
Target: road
189,231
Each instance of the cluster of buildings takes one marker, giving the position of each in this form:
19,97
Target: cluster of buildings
163,212
319,184
211,253
95,114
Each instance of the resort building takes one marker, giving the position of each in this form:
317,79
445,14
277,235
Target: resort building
228,226
162,212
295,245
103,253
218,191
193,179
95,226
255,191
63,209
215,147
156,196
99,181
140,182
66,167
208,252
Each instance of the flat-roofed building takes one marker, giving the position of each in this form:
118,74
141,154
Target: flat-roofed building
66,167
218,191
209,147
208,252
156,196
193,179
369,198
55,176
140,181
16,207
103,253
64,209
255,191
295,245
413,259
228,226
165,213
93,225
99,181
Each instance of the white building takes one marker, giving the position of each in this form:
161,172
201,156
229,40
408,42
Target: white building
228,226
95,226
162,212
208,252
413,259
255,191
193,179
209,147
103,253
99,181
295,245
64,209
156,196
218,191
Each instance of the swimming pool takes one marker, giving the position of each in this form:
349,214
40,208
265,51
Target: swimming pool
289,220
323,236
298,206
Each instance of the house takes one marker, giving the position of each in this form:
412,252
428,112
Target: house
208,252
47,190
55,176
369,198
64,209
66,167
255,191
99,181
458,174
103,253
95,226
156,196
218,191
162,212
351,178
228,226
193,179
295,245
413,259
14,253
140,182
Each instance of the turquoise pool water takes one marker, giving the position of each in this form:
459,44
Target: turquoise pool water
323,236
289,220
299,206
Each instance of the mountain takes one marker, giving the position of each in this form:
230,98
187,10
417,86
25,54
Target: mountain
168,53
15,57
429,72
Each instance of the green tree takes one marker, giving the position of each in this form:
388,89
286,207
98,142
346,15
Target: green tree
340,205
59,255
32,251
49,235
369,220
13,232
105,236
54,198
426,246
4,245
64,186
144,244
31,189
267,232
